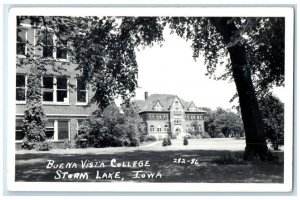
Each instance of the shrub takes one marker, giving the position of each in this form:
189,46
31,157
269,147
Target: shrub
67,144
198,136
165,142
28,144
205,135
111,128
185,141
169,141
83,140
43,146
150,138
220,135
135,142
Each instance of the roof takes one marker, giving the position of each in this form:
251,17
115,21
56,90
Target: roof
166,100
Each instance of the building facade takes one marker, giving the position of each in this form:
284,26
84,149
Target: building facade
64,96
166,114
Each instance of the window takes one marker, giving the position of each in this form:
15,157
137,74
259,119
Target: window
63,130
152,128
165,118
158,128
50,130
81,91
48,88
20,87
55,89
21,41
166,128
200,127
19,130
177,111
57,130
177,120
61,50
62,89
46,41
52,47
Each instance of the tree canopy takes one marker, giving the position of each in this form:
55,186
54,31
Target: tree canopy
252,50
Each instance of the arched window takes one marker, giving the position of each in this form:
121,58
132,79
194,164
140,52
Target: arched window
158,128
166,128
151,128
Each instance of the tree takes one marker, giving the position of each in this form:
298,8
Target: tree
251,48
34,123
131,113
113,128
240,41
273,116
223,122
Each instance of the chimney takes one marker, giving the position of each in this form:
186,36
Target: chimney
146,95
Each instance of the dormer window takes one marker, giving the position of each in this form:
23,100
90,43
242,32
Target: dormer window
158,107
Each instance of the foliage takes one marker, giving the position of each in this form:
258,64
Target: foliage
249,49
26,144
67,144
273,116
262,37
185,141
169,141
131,112
150,138
43,146
165,142
222,123
112,128
103,49
34,121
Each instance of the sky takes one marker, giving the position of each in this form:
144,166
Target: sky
171,69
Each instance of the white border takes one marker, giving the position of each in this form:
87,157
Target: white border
156,187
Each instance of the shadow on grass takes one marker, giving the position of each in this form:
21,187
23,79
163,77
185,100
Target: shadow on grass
173,166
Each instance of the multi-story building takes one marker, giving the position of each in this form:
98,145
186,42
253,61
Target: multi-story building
64,97
166,114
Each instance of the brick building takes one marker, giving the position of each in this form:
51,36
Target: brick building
165,114
64,97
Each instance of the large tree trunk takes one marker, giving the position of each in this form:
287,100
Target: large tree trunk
251,115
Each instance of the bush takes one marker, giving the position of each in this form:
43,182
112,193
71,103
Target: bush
165,142
205,135
43,146
150,138
220,135
185,141
135,142
83,140
169,141
28,145
67,144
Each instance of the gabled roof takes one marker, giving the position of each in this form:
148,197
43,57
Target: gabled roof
166,101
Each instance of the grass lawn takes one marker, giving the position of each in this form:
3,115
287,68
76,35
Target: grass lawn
206,161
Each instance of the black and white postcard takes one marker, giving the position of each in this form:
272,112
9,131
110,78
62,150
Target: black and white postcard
173,99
